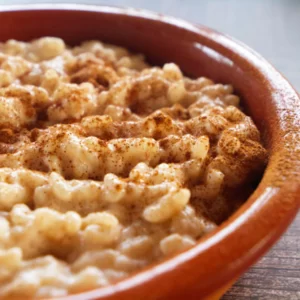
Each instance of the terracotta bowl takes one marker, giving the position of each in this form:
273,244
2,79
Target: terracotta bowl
209,268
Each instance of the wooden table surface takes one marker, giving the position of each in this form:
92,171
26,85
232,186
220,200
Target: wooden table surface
271,27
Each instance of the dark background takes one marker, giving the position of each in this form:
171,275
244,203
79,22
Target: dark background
272,28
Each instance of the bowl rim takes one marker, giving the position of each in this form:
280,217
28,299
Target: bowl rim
264,200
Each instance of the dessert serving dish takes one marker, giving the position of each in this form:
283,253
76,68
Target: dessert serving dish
158,175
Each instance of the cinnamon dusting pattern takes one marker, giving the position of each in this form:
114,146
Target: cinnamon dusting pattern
108,164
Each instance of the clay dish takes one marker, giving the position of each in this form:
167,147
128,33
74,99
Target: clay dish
209,268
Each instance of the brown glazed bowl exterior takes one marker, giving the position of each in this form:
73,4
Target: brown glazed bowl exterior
220,257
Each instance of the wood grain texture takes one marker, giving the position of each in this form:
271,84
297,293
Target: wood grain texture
277,275
271,27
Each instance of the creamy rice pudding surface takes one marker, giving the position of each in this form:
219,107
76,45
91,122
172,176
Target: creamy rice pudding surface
108,164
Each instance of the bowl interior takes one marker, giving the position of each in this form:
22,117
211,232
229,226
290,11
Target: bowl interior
161,42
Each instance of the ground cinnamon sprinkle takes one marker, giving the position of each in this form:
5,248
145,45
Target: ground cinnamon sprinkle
108,164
